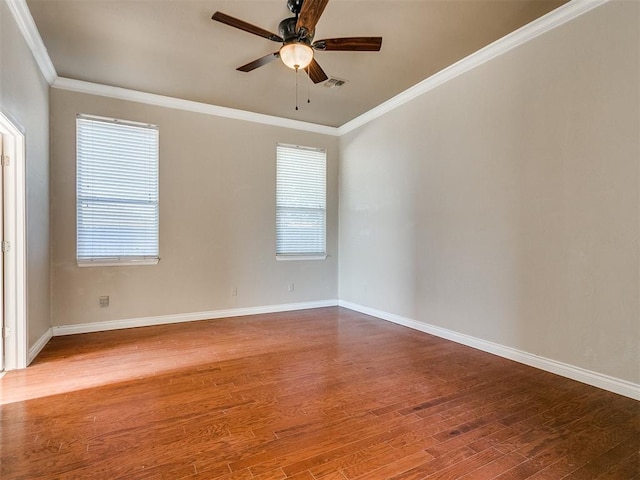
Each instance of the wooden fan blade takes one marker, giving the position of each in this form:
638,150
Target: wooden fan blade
350,44
259,62
247,27
315,72
309,16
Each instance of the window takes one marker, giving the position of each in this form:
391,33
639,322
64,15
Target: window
117,192
301,184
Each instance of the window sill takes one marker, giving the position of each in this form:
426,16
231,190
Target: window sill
114,262
288,258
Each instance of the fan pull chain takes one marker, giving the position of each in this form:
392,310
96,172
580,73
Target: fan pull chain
296,88
308,86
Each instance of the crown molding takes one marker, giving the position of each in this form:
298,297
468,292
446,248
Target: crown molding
29,31
551,20
180,104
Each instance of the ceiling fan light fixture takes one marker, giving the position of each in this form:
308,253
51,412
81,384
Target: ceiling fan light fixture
296,55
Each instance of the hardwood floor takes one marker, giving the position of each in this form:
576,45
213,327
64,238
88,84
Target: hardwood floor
318,394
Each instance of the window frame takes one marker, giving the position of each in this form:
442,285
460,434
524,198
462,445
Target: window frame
118,260
303,256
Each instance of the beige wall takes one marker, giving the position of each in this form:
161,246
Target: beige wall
24,98
217,219
504,203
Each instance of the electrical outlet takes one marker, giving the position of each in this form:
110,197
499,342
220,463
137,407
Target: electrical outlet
234,292
291,287
104,301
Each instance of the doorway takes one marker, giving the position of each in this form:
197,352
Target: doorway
13,322
3,247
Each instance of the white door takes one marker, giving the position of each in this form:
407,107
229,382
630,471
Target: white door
15,350
1,258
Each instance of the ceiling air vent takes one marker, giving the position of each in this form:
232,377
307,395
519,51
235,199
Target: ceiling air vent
334,82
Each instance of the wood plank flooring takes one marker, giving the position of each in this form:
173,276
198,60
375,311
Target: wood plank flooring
318,394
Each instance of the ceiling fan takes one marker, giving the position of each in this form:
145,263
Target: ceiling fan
296,35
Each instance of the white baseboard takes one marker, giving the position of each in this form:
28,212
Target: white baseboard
37,347
186,317
612,384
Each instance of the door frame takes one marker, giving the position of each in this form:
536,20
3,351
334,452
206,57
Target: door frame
15,261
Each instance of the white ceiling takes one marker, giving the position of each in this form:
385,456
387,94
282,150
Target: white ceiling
173,48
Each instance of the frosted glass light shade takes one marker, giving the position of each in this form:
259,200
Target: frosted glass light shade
296,55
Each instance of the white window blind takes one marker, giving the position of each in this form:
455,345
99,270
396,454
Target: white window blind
117,191
300,201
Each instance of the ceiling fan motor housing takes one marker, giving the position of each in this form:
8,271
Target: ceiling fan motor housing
287,30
